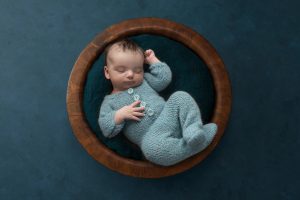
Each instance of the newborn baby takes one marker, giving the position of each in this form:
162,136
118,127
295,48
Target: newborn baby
166,131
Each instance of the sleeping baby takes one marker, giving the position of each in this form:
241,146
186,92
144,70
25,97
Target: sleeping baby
167,132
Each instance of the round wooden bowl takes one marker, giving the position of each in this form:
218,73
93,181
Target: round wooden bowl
133,27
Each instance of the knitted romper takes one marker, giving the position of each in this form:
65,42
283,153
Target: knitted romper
170,131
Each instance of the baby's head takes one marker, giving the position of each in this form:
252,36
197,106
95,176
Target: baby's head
124,61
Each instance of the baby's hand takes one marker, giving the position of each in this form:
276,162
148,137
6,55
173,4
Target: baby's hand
150,57
129,112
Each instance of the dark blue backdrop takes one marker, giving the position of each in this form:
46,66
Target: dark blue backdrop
256,159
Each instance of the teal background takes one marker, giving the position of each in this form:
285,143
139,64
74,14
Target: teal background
258,156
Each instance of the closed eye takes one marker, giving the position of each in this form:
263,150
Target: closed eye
138,70
120,69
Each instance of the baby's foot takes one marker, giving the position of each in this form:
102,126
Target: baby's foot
210,131
194,136
195,140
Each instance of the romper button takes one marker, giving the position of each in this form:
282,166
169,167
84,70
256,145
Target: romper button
150,112
143,104
130,91
136,97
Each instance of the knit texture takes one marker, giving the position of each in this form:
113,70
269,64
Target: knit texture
170,131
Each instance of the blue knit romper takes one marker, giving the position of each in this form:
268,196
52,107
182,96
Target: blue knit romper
170,131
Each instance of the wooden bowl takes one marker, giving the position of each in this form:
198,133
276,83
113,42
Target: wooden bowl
133,27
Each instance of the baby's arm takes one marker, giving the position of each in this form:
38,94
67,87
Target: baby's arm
160,74
111,121
106,121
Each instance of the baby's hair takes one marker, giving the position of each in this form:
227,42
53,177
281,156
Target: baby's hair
124,44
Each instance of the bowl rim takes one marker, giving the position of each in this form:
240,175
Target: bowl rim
132,27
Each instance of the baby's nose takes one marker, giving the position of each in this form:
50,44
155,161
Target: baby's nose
130,73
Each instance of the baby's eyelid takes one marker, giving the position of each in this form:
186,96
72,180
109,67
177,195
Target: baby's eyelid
138,68
120,69
133,70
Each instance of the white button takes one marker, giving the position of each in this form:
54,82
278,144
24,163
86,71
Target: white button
143,104
130,91
150,112
136,97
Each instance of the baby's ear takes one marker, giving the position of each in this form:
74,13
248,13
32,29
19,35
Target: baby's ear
106,72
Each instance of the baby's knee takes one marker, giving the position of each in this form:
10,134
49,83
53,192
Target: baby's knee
180,96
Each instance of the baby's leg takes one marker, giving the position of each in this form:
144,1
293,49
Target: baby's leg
188,112
165,143
166,151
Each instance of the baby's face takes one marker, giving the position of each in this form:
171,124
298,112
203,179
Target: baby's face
124,69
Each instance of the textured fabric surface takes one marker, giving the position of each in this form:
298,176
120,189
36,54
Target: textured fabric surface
170,131
189,74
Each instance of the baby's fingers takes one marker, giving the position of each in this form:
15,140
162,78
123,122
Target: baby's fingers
135,118
148,52
134,104
138,109
138,114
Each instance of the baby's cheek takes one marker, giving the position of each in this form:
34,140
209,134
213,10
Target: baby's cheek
140,79
142,76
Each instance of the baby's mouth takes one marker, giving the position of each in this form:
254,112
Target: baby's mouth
129,82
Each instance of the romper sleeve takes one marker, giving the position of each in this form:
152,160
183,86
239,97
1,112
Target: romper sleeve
106,121
159,77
